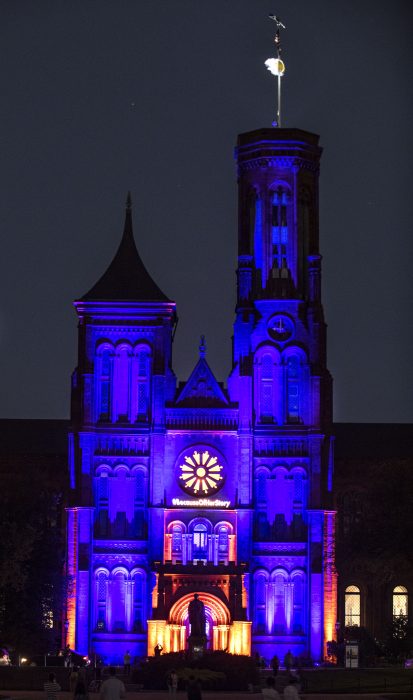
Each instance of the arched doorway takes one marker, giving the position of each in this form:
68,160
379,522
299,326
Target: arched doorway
217,622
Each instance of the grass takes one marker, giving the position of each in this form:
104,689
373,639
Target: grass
362,680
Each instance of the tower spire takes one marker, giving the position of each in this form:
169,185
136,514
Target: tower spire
202,347
276,66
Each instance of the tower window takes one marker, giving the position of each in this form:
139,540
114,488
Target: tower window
267,390
143,385
352,606
105,381
293,390
279,228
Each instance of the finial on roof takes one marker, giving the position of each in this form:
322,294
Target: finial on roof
202,347
129,201
276,66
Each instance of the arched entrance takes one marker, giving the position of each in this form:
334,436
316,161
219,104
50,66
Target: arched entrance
217,622
222,632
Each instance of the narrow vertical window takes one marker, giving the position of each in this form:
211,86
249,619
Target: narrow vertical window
298,488
279,228
266,389
101,592
223,544
352,606
200,542
138,602
262,488
118,601
105,384
142,408
293,390
177,544
298,604
400,607
260,599
279,604
102,501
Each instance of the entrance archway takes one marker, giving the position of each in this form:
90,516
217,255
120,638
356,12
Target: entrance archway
217,617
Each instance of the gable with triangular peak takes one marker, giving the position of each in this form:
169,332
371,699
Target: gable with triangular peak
202,389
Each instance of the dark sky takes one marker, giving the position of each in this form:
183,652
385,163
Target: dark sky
103,96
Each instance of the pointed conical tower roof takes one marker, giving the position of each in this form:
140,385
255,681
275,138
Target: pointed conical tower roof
126,278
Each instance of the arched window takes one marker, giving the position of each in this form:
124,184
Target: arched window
122,382
176,542
139,597
293,389
257,234
352,606
267,388
143,385
279,603
105,383
279,228
138,519
298,488
118,601
400,607
200,542
223,544
102,504
261,485
101,600
139,488
298,604
260,602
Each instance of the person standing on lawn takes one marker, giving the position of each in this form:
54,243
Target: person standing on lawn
113,688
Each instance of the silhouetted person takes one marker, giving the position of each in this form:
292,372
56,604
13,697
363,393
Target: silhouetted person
269,692
51,688
291,691
80,690
112,688
193,689
275,663
288,660
126,663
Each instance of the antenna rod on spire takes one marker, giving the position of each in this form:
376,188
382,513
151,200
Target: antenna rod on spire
276,66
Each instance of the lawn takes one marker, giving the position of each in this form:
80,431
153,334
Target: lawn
363,680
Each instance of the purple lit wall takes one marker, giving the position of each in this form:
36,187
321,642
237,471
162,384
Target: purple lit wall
198,479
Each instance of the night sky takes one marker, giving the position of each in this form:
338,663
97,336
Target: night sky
100,97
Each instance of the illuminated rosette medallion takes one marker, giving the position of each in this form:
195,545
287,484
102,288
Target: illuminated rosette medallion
200,473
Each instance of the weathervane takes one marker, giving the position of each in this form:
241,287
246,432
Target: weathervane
276,66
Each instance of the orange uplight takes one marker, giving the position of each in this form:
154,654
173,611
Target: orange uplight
330,579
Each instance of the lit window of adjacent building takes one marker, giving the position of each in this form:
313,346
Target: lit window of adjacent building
400,601
352,606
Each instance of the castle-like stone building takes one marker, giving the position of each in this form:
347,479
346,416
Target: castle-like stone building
197,487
